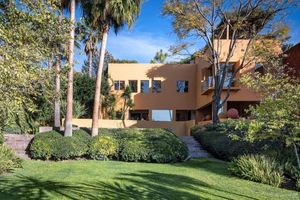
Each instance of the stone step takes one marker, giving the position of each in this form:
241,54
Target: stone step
195,149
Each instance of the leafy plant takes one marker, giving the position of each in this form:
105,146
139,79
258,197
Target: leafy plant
8,159
258,168
52,145
79,110
103,147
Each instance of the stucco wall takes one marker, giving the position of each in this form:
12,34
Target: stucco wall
169,74
179,128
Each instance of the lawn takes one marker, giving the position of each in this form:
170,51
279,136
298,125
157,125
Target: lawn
196,179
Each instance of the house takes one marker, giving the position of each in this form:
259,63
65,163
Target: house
292,60
179,92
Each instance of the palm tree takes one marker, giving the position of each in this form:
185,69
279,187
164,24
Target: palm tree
90,38
69,115
107,14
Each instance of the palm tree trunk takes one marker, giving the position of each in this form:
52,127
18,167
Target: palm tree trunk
90,63
69,112
95,121
57,90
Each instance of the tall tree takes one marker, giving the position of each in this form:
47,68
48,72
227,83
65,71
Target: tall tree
28,32
213,19
90,37
107,14
69,113
160,57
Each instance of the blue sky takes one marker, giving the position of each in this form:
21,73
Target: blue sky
153,32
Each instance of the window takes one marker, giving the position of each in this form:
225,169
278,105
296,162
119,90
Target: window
228,75
133,85
156,86
119,85
162,115
144,86
182,86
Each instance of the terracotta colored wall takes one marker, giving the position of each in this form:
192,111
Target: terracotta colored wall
181,128
169,74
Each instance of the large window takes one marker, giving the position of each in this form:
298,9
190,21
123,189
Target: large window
182,86
156,86
133,85
119,85
162,115
144,86
228,75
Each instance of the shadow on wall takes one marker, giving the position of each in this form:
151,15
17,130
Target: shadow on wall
169,98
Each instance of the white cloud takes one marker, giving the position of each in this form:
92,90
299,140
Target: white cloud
141,47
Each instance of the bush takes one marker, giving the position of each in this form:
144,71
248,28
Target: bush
1,138
53,145
258,168
219,141
8,159
150,145
103,147
145,145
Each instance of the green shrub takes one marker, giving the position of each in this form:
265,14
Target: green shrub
103,147
150,145
196,128
258,168
53,145
8,159
1,138
219,141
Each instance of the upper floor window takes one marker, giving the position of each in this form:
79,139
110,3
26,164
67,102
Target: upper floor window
156,86
119,85
144,86
182,86
133,85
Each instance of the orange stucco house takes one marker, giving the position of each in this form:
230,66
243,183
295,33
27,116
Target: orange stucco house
179,92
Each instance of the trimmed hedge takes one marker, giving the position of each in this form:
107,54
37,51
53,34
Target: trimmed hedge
132,145
8,159
147,145
53,145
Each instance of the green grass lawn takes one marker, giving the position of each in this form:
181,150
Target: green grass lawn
196,179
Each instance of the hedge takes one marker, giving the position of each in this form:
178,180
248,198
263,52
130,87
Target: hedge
132,145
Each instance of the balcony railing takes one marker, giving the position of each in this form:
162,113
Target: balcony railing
208,84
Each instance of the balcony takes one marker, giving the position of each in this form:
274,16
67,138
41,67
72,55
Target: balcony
207,85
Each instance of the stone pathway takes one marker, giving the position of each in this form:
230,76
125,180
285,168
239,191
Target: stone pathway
195,149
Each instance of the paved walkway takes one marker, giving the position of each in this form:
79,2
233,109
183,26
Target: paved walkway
195,149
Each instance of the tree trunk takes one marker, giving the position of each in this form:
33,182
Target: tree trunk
90,64
69,113
216,101
57,91
297,155
97,102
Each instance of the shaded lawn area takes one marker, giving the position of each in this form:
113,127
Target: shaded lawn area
196,179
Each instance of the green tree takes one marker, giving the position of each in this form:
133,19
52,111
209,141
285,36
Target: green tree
27,34
212,20
127,102
90,37
107,14
160,57
71,4
277,117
